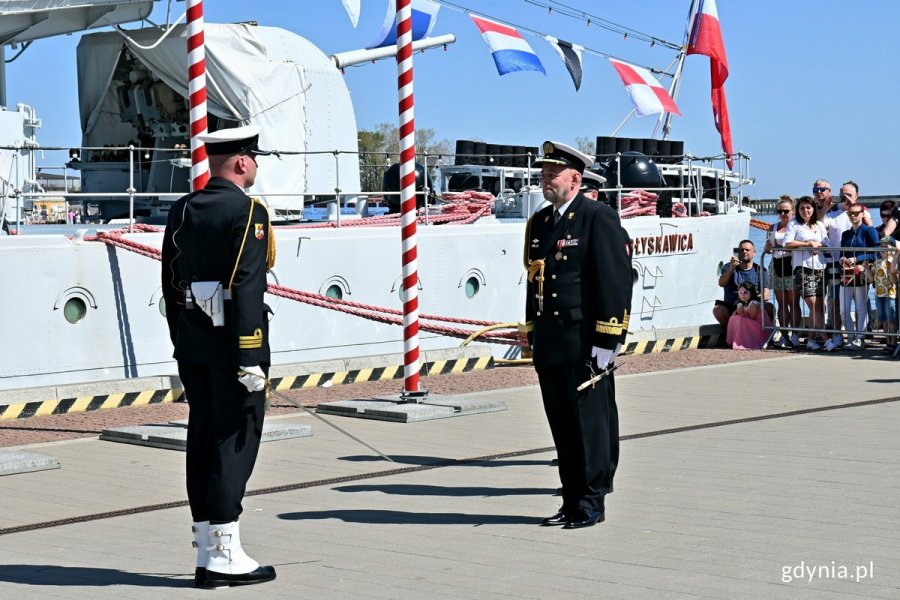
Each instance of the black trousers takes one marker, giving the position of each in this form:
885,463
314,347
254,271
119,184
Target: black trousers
224,430
585,428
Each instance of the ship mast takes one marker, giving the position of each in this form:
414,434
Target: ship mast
666,117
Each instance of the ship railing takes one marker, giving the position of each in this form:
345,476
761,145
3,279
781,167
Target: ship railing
690,179
832,276
691,172
358,200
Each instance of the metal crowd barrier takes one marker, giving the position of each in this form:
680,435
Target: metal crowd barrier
832,281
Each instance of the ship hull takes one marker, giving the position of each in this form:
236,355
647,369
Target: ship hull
122,333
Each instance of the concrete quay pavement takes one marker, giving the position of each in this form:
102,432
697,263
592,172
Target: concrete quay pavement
794,506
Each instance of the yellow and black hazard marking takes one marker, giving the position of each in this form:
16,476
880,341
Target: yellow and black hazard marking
98,402
87,403
438,367
671,345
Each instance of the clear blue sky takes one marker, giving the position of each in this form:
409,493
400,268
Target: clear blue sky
812,90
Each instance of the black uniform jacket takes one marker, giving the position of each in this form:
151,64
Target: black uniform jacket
586,285
218,234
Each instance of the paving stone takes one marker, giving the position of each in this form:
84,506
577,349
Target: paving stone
173,436
390,409
20,461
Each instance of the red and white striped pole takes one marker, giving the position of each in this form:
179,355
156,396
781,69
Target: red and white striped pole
197,93
408,200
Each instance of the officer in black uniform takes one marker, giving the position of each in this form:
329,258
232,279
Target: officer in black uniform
578,258
216,250
591,184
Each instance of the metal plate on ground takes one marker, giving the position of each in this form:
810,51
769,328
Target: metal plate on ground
391,409
18,461
173,436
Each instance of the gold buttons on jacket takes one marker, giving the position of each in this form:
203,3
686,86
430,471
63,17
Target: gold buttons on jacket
553,277
553,294
555,313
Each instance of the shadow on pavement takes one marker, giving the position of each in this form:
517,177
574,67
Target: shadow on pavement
49,575
439,490
408,518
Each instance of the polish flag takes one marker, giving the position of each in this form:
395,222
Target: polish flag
647,94
706,39
510,51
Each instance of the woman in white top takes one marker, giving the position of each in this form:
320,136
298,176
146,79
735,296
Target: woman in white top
807,232
783,275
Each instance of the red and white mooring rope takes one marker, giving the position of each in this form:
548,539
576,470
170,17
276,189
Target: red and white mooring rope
197,93
408,198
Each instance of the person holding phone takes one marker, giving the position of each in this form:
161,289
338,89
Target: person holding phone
736,271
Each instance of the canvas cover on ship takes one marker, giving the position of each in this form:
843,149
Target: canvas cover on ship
243,84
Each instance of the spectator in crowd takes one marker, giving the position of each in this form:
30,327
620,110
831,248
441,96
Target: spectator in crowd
745,326
807,233
854,287
888,219
739,269
886,290
850,196
783,275
836,222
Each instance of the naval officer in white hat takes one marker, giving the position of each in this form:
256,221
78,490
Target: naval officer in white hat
216,251
578,296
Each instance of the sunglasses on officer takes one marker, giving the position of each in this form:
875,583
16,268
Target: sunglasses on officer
819,189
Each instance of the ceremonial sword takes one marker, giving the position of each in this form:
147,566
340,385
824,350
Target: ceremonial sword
598,377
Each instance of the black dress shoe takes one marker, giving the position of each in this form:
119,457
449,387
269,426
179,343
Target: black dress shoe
557,519
259,575
200,577
584,518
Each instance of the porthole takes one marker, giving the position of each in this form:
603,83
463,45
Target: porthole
635,275
335,287
162,306
74,310
472,287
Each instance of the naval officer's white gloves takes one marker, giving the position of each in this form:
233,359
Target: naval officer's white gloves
253,378
605,357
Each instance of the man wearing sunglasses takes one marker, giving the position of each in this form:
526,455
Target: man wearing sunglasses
821,191
836,223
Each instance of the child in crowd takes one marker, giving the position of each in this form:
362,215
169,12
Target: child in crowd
745,326
884,276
